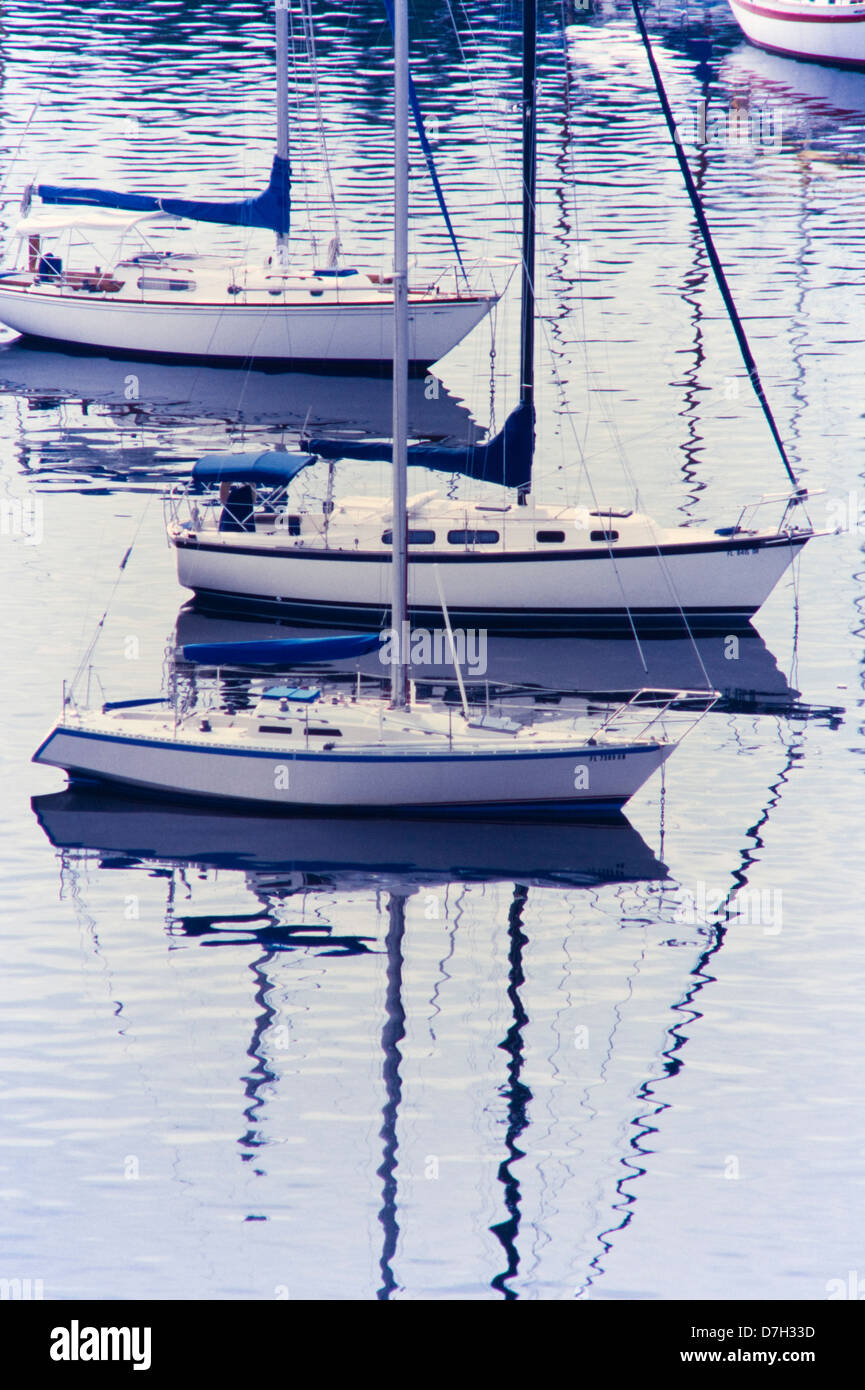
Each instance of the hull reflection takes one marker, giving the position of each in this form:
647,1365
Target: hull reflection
347,852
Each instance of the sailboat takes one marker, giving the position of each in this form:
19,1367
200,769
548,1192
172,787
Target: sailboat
817,29
508,566
290,749
153,303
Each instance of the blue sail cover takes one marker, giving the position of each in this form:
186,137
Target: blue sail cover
270,210
273,468
506,459
277,651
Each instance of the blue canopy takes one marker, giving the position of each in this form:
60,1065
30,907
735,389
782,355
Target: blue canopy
278,651
272,467
270,210
505,459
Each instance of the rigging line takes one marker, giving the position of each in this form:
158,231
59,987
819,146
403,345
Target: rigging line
606,414
34,108
717,928
428,154
101,623
720,277
298,143
496,164
575,212
306,12
617,445
664,569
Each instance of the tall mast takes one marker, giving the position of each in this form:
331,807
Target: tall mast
399,556
527,298
281,23
527,302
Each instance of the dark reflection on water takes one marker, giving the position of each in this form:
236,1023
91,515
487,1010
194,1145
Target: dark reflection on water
241,913
741,667
646,1124
518,1096
344,856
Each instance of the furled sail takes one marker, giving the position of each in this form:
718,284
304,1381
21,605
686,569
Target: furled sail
506,459
278,651
270,210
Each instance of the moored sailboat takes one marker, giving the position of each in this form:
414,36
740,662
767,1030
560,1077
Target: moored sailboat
290,750
508,562
814,29
174,304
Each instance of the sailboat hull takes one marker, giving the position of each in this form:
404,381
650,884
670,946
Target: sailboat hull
824,33
713,586
303,335
558,782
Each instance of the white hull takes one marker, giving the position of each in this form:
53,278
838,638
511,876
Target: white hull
377,760
826,33
338,333
716,582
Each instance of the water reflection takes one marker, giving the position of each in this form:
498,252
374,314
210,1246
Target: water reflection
122,419
281,855
740,667
289,861
687,1013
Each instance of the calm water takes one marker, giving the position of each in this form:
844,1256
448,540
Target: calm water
249,1060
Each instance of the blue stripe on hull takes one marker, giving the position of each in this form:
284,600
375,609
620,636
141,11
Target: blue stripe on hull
216,749
340,367
610,807
667,621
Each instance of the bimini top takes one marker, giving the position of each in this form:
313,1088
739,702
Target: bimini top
50,219
272,467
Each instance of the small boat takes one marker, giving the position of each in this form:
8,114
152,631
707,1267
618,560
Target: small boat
291,749
288,749
506,567
149,302
812,29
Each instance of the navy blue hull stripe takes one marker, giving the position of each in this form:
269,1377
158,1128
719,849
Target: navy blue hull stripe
454,557
492,810
579,750
520,620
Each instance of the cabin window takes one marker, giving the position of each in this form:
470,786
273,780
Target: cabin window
603,535
324,732
414,538
293,525
549,536
274,728
162,282
473,537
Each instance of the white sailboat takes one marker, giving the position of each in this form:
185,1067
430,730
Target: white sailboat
153,303
290,750
821,30
507,566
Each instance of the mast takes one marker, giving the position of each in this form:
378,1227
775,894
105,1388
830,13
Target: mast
527,297
281,24
399,556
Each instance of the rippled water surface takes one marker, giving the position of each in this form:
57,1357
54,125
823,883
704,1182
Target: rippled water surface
247,1059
